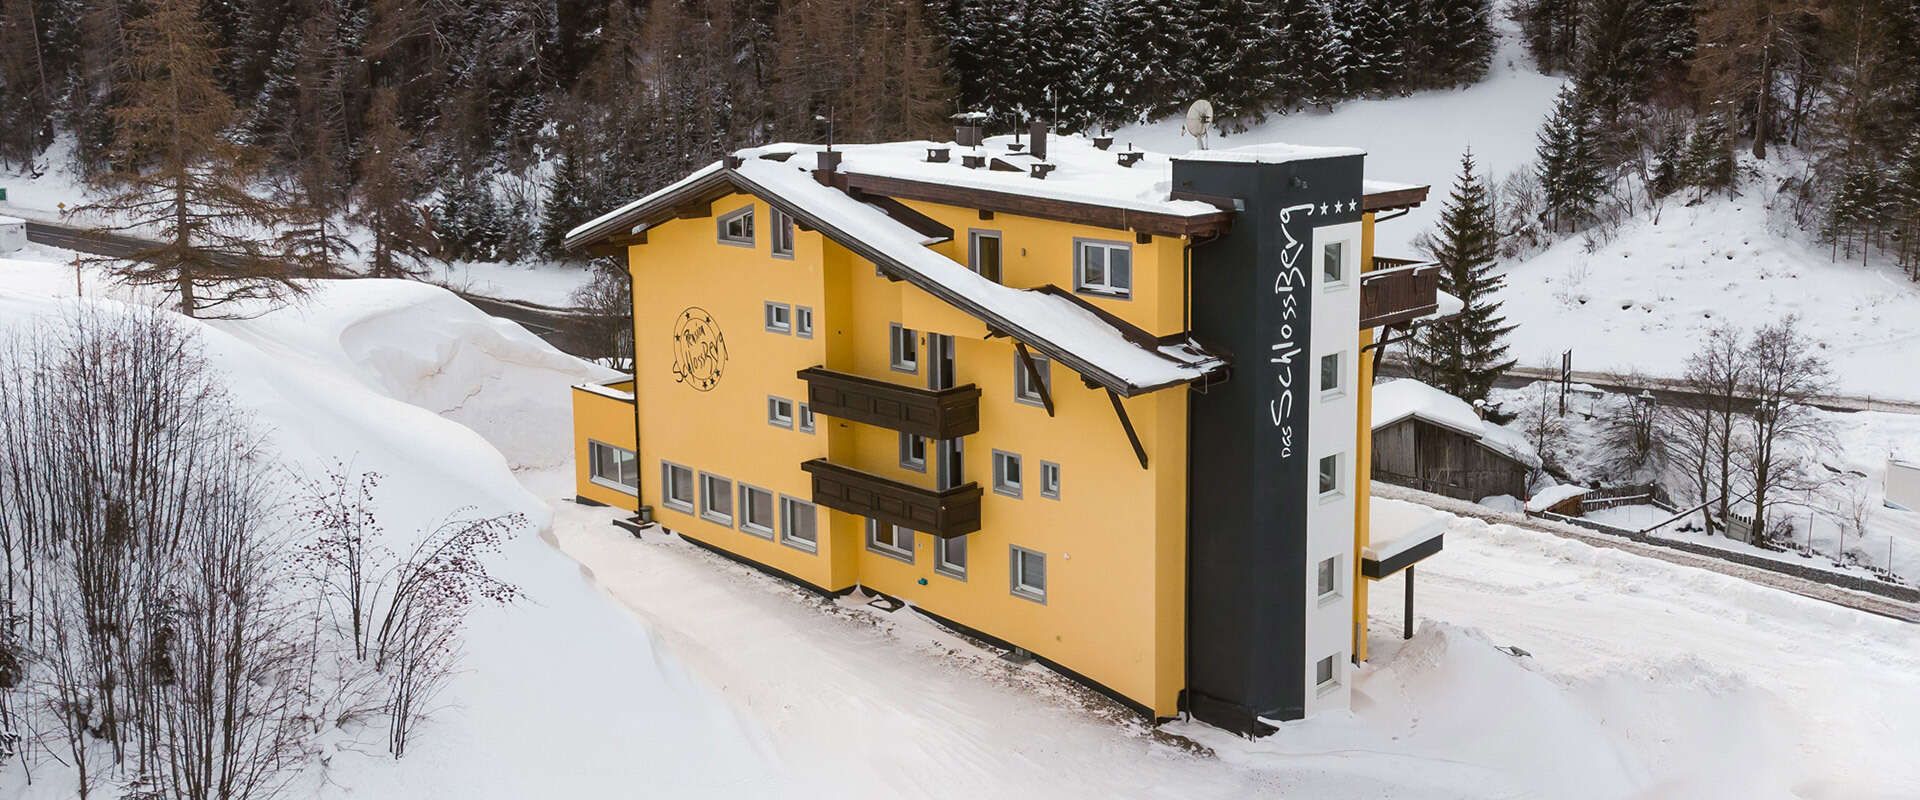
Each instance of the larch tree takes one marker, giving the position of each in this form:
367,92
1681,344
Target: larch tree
1463,354
389,183
181,181
1745,46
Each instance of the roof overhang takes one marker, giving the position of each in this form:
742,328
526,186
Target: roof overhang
1393,199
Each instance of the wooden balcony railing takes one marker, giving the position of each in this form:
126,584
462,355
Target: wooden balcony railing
949,513
936,414
1398,290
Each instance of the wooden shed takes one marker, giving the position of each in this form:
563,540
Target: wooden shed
1426,439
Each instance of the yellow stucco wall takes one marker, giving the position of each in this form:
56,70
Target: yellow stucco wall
597,417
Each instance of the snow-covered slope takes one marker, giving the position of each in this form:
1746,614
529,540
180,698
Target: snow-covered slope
563,695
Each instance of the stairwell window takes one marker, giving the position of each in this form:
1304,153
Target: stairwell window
892,541
1333,263
1327,579
614,467
779,317
905,349
1326,673
1329,476
913,452
779,412
1026,388
1330,374
799,522
756,511
736,227
716,499
1050,480
950,556
676,486
1028,573
782,234
1103,268
1006,473
806,418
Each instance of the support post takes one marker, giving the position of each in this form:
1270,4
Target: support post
1406,626
1033,377
1138,450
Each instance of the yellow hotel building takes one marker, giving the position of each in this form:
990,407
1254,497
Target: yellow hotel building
1104,407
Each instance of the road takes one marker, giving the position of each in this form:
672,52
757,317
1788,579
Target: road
1664,390
559,326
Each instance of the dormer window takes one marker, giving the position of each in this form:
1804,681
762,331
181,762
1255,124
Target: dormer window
736,227
1103,268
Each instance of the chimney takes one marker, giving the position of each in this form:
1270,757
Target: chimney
1037,131
829,163
966,135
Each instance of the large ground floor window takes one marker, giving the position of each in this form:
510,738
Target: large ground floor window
613,467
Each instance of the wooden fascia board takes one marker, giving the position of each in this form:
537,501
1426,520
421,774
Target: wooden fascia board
660,210
1399,198
1092,214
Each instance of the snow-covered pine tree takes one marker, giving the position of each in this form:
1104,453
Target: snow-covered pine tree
1235,59
1856,207
1157,54
1667,167
1904,195
565,205
1708,160
385,198
1465,353
1317,43
1090,97
1377,47
1463,38
1568,164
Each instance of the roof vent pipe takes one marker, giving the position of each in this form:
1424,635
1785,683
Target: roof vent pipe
1037,131
829,163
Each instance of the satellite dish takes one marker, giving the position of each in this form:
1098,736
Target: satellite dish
1199,118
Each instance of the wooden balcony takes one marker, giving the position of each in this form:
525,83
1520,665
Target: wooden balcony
935,414
949,513
1397,291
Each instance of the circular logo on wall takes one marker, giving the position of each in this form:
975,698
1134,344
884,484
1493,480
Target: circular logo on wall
699,351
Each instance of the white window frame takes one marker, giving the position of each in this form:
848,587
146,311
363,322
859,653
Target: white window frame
1328,568
1023,390
804,418
1345,268
942,548
889,548
1050,480
1331,665
667,499
908,460
973,252
747,491
1017,582
776,416
792,508
778,317
782,237
707,510
1339,386
1001,485
1107,287
631,461
900,338
727,219
1339,479
803,321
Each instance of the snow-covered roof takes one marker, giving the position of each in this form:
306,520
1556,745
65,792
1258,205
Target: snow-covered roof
1059,325
1399,399
4,220
706,173
1082,172
1553,496
1396,526
1277,153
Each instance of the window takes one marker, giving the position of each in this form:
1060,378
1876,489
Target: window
614,467
906,349
1330,373
756,511
950,556
890,540
1050,480
798,523
1326,674
1025,388
1333,263
779,317
1103,268
736,227
1329,475
676,486
1028,574
806,418
779,412
1006,473
983,254
1327,581
913,452
782,233
803,322
716,499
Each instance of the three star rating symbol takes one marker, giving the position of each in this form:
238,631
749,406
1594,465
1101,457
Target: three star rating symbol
1335,208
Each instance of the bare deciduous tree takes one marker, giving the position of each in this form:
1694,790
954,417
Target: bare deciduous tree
1786,373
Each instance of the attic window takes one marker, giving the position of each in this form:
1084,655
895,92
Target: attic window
736,227
782,233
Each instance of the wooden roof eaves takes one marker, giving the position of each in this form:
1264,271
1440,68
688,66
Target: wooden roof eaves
1093,214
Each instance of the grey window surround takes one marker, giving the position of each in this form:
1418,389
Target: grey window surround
942,548
710,512
1001,484
724,220
1109,289
1022,382
667,499
746,512
780,322
1050,480
624,461
903,349
790,509
1018,582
